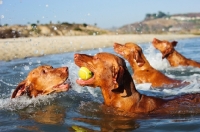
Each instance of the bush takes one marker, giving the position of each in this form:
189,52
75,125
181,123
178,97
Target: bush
77,29
66,23
85,25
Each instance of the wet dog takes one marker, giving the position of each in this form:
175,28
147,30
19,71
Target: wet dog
143,71
43,80
174,57
111,75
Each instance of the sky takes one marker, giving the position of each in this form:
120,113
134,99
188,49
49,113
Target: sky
103,13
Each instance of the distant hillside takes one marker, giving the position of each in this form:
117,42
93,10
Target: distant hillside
153,23
63,29
177,23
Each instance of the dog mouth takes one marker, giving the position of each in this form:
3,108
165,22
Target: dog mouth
88,81
64,86
82,60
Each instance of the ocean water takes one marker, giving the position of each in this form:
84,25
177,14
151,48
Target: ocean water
81,107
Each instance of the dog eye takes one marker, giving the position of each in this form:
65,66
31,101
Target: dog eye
43,71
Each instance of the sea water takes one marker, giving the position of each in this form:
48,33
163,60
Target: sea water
81,107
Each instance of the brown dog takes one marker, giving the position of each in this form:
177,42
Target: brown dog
111,75
43,80
174,57
143,71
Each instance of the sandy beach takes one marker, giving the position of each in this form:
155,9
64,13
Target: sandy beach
16,48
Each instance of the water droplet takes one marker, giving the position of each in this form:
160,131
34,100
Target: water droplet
21,73
100,50
47,5
38,61
26,68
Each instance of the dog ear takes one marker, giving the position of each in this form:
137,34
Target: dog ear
19,90
22,89
174,43
169,50
122,85
138,58
118,81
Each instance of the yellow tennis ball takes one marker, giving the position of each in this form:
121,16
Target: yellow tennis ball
84,73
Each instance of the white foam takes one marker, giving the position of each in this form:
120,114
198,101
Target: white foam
155,58
193,87
23,101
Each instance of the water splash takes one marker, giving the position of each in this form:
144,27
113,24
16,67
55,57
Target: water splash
23,102
155,58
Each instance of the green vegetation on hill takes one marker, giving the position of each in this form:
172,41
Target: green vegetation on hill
164,23
160,14
60,29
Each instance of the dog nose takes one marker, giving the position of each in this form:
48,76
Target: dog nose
154,40
76,55
64,69
115,44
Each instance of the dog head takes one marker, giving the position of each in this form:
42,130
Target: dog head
165,47
131,52
43,80
108,70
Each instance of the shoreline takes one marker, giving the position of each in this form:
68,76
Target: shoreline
19,48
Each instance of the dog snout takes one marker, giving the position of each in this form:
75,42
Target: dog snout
116,45
155,40
76,56
64,69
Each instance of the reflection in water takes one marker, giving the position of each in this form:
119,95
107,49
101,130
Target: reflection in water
53,114
98,117
109,123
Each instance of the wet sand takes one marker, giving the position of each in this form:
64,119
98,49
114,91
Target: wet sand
16,48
